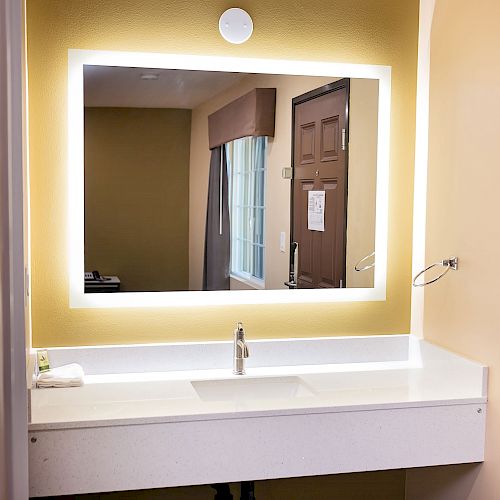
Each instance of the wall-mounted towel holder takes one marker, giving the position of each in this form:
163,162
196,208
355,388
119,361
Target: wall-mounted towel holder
447,264
365,268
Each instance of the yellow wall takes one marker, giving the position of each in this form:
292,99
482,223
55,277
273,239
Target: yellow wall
372,31
136,203
462,311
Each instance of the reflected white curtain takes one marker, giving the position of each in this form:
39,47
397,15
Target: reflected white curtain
246,159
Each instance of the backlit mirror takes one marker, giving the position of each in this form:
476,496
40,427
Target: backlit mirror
200,180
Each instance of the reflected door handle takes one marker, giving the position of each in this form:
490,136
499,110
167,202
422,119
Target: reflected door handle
295,261
294,271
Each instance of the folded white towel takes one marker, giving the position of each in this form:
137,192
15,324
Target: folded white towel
63,376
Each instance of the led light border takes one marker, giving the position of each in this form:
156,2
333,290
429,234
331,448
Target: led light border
79,299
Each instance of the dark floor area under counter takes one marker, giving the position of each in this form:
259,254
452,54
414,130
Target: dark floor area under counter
380,485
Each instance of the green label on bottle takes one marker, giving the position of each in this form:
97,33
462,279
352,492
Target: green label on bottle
43,361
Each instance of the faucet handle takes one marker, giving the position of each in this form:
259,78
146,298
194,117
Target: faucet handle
245,353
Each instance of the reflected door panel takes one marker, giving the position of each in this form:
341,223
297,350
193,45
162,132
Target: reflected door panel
320,164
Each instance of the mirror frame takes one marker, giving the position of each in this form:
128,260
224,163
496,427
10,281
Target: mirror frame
75,165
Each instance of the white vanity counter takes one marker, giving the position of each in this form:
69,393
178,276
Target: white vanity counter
419,405
168,397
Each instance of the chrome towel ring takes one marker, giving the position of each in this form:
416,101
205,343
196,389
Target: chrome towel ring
451,263
365,268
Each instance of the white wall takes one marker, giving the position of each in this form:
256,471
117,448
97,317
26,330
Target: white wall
13,397
462,311
362,178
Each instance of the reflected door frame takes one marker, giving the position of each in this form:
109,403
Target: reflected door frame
342,84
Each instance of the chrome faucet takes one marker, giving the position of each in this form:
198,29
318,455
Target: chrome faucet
240,351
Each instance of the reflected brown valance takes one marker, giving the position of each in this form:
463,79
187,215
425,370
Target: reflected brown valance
250,115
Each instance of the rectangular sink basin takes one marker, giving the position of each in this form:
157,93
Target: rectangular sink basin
251,388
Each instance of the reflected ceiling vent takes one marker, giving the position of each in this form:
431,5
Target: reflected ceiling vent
150,76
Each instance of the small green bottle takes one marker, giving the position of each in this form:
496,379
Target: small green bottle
43,361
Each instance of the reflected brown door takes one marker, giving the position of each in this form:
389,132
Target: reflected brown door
320,146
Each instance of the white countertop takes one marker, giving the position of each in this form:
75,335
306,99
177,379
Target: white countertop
430,376
305,407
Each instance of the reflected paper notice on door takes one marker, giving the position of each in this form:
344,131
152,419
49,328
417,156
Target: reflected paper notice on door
316,211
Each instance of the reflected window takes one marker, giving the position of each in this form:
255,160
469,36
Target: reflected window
246,159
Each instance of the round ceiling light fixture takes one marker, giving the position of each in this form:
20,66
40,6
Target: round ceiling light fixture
236,25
